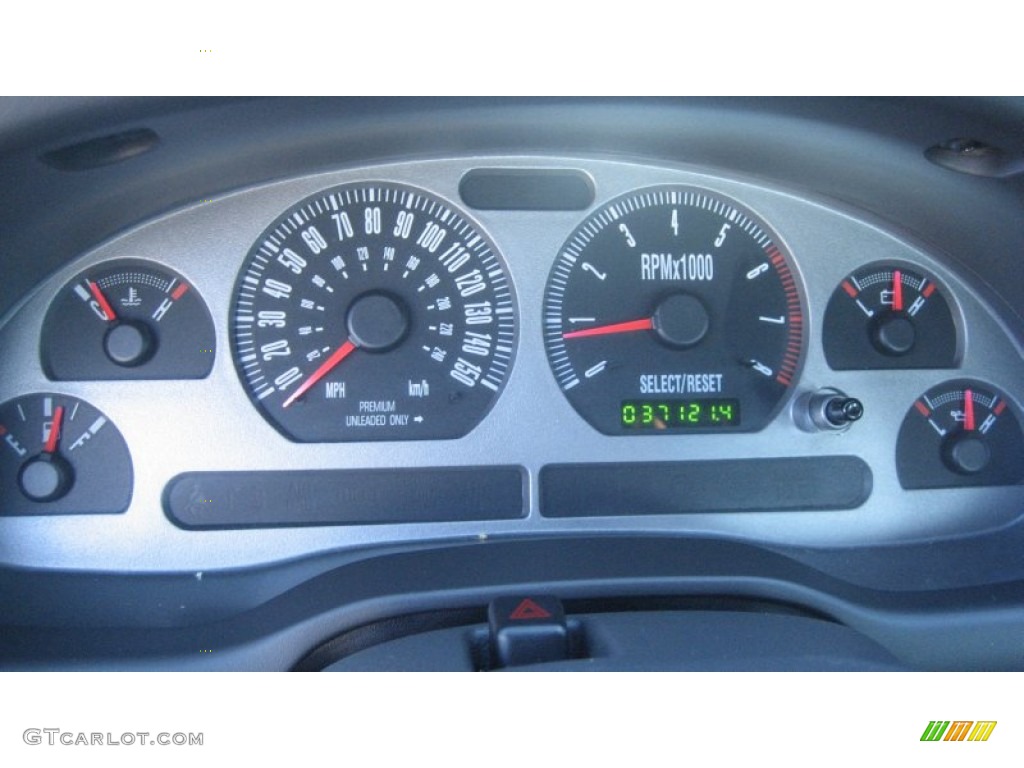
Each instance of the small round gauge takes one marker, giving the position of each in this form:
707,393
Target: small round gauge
960,433
373,311
674,310
127,319
889,316
59,456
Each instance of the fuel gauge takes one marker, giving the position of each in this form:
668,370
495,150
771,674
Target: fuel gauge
889,316
127,319
961,433
59,456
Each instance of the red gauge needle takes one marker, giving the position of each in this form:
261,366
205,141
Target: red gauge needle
602,330
968,410
101,300
897,291
54,436
339,354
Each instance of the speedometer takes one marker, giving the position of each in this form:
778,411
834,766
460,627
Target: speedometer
373,311
674,310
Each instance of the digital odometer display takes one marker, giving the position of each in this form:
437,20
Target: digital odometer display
680,414
670,309
373,311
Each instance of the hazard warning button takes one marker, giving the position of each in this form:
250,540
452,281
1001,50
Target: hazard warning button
527,630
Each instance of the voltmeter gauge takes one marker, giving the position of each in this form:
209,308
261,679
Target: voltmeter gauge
127,319
674,310
961,433
60,456
889,316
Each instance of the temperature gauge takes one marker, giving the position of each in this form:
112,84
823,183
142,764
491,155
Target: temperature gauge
889,316
960,433
59,456
127,319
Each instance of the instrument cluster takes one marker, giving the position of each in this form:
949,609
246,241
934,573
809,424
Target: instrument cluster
475,347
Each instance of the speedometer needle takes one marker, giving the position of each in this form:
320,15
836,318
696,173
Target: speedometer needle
328,365
646,324
54,436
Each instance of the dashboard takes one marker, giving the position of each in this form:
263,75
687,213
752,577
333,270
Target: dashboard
280,408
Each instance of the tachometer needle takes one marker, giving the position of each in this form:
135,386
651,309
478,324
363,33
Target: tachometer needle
646,324
328,365
968,410
101,300
897,291
54,436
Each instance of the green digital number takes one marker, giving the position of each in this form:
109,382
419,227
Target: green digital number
629,415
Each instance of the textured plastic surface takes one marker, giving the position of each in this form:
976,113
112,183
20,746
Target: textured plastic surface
659,641
330,497
665,488
269,618
525,189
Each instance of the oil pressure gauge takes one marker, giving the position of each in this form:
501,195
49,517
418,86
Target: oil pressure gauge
958,434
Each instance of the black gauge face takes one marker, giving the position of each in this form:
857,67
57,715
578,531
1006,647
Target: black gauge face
128,319
58,456
959,434
889,316
673,310
373,312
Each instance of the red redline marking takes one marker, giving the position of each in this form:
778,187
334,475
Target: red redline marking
850,290
922,408
101,300
3,429
179,291
929,290
997,410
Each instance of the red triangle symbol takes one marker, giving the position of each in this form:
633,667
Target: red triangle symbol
527,610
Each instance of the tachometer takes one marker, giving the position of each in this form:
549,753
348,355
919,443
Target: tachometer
674,310
373,311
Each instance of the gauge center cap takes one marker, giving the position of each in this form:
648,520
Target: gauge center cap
128,343
681,320
894,335
966,455
45,478
377,322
